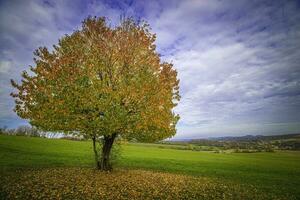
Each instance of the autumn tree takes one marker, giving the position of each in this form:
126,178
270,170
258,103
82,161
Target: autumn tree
101,82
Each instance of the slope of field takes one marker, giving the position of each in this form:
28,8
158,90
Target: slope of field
273,173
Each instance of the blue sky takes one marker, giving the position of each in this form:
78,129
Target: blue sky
238,61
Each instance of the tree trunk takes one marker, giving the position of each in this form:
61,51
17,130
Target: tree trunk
96,153
108,141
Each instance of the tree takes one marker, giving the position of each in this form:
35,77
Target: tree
27,131
101,82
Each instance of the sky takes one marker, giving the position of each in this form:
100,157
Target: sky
238,61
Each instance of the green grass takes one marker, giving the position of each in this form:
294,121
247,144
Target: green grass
277,172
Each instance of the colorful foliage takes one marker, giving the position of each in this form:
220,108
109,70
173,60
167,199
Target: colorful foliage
101,80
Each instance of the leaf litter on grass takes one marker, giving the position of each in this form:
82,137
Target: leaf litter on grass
84,183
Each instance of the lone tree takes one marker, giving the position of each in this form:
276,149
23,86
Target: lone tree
101,82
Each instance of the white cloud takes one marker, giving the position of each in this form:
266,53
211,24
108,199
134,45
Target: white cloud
230,72
238,61
5,66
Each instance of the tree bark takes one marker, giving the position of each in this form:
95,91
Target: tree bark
108,141
96,153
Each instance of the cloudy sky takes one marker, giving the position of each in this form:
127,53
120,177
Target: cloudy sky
238,61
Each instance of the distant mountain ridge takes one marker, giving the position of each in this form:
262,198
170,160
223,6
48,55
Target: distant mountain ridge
252,137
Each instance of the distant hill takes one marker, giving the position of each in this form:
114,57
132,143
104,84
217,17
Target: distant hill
248,142
254,138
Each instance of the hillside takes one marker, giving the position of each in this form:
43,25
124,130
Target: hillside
243,171
257,137
248,142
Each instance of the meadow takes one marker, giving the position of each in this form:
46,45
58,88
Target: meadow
165,173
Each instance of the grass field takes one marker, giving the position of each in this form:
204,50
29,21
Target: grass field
271,173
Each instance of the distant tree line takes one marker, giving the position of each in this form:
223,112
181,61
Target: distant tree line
259,145
25,130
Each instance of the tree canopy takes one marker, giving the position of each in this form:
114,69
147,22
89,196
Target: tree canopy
101,80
